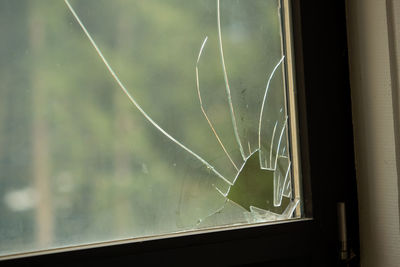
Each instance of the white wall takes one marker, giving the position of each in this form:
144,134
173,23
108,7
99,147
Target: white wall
374,50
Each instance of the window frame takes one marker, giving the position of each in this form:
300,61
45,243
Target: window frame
324,113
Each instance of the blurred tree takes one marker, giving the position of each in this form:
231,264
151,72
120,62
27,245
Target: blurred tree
40,135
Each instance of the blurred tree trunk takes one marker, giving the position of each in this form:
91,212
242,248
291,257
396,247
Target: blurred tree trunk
44,216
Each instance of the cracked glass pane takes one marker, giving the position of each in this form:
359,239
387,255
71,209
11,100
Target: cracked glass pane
125,119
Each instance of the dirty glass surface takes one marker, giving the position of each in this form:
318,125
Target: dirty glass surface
123,119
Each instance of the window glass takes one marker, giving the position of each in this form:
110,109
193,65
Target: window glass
123,119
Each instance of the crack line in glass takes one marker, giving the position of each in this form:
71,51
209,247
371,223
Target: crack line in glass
202,108
227,87
208,165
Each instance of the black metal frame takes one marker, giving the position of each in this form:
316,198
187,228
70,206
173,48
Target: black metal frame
326,138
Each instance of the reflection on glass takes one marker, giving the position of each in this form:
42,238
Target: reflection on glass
136,118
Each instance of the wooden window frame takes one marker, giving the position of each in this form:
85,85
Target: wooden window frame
327,170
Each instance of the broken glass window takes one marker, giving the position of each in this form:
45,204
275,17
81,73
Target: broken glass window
142,118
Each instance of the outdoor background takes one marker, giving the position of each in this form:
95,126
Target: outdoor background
78,162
